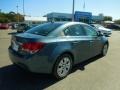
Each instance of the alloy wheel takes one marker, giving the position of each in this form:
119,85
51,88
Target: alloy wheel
64,66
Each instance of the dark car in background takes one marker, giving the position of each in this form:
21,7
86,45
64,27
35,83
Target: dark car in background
55,47
113,26
22,27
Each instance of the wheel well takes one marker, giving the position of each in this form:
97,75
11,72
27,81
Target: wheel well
69,53
107,43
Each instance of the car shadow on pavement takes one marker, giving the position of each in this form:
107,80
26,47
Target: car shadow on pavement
14,78
82,65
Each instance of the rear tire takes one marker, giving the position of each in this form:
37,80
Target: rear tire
62,66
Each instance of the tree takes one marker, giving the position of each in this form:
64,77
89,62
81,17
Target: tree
10,17
117,21
107,18
3,18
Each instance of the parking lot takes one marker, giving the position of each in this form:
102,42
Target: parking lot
99,73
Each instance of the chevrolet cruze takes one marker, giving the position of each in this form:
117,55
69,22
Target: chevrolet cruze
55,47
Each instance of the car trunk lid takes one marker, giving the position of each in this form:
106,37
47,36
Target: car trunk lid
26,43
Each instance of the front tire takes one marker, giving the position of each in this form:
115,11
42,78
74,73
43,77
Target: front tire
104,50
62,66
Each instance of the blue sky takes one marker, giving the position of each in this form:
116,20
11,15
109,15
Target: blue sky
42,7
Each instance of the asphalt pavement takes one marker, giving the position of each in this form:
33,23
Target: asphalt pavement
98,73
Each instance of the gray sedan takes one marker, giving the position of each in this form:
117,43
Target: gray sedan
55,47
102,29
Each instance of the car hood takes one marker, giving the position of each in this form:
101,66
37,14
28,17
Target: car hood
105,29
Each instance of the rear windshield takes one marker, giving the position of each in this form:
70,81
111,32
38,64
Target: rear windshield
44,29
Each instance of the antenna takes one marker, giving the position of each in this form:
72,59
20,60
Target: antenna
84,5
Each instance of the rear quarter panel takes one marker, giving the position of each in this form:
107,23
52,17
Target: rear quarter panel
56,47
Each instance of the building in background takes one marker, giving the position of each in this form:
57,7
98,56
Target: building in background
58,17
85,17
98,19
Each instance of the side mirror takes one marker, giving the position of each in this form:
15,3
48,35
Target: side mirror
100,33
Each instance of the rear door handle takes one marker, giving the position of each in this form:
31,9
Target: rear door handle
75,42
91,41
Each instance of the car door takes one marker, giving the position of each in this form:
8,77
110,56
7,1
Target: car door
95,40
79,42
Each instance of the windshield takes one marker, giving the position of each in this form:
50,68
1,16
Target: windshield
44,29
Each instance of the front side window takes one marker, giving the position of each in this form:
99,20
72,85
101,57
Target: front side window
75,30
89,31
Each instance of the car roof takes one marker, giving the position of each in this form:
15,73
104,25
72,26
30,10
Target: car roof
68,23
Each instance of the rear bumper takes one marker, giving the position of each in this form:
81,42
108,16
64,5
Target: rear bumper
35,63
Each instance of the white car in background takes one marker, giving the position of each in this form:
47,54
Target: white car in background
105,31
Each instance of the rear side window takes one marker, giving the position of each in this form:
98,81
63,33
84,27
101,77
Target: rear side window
44,29
75,30
90,31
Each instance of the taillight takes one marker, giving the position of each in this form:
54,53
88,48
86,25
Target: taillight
32,47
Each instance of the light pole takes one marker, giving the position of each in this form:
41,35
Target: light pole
0,10
84,6
23,8
73,8
17,14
